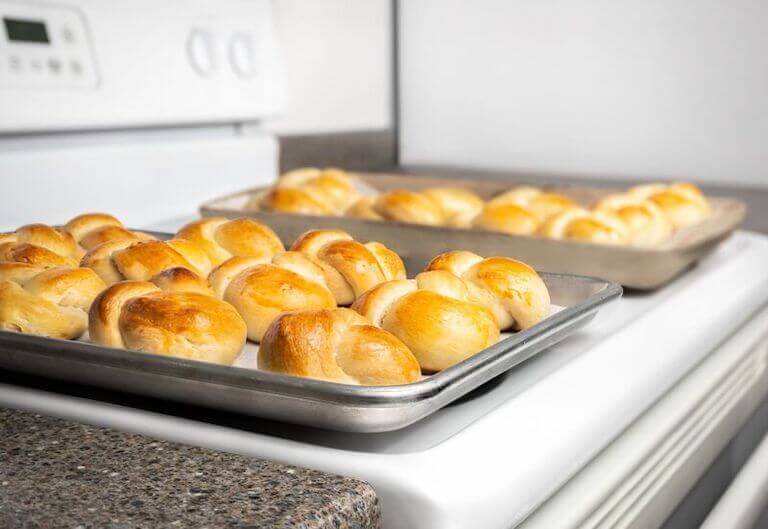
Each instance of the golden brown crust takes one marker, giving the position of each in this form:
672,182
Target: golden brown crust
434,316
45,236
349,267
510,289
541,203
222,239
222,275
519,195
104,234
104,315
262,292
599,227
332,186
196,256
646,223
459,206
92,229
137,315
139,261
83,224
507,217
144,260
682,203
401,205
182,280
31,254
363,209
291,200
50,302
336,345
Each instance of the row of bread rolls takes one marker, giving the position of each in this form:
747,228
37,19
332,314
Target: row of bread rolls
218,282
643,216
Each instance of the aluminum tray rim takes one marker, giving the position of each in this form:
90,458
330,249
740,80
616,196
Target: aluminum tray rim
312,389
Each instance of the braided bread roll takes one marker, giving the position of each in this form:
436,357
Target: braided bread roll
510,289
173,315
401,205
139,261
338,345
33,255
262,291
646,223
507,217
683,203
308,191
459,206
39,244
433,315
349,267
542,204
222,238
578,224
92,229
51,302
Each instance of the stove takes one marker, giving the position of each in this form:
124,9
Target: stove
599,431
610,428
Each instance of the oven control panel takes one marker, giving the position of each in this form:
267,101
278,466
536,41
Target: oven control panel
45,47
84,64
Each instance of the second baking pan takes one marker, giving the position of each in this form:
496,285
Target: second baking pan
639,268
250,391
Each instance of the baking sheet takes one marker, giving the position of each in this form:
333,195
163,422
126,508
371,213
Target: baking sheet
310,402
639,268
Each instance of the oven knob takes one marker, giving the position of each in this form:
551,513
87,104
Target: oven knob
200,52
241,55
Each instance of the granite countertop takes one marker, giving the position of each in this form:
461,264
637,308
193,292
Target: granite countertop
56,473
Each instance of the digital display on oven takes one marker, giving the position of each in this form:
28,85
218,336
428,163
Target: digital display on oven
26,31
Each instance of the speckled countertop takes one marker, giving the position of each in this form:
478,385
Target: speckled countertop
56,473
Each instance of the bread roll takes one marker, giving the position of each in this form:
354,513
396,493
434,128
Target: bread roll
331,185
433,315
51,302
646,223
48,238
337,345
34,255
363,209
578,224
520,195
182,321
542,204
222,239
349,267
510,289
261,292
92,229
405,206
289,200
510,218
309,191
459,206
126,259
683,203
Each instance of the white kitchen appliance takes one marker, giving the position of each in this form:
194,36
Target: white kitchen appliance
140,108
610,428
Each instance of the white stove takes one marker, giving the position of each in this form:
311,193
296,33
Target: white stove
610,428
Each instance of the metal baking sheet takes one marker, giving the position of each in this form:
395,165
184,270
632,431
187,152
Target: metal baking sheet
639,268
317,403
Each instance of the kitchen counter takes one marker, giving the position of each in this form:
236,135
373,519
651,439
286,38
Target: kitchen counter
66,474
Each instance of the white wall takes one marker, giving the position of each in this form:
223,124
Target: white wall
337,56
675,88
